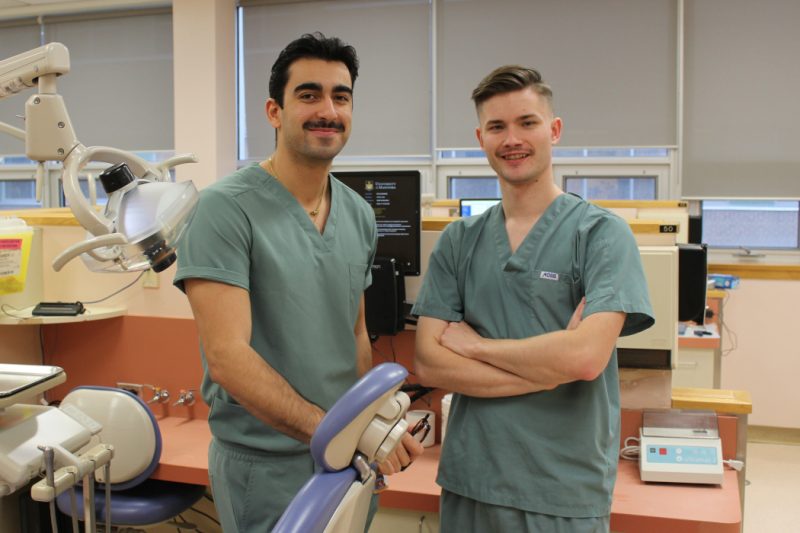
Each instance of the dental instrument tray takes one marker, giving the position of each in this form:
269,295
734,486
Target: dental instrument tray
680,446
18,382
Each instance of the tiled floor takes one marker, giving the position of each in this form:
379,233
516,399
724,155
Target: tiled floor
772,497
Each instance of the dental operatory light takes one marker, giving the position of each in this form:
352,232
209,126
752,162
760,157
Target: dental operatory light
150,216
146,212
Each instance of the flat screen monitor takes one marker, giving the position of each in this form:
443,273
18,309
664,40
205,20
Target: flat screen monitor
395,197
469,207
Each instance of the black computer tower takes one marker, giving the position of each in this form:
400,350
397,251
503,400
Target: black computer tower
695,229
384,299
692,282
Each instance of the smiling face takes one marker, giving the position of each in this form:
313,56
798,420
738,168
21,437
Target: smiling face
315,119
517,131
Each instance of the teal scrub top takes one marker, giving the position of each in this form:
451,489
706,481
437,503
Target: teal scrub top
552,452
304,287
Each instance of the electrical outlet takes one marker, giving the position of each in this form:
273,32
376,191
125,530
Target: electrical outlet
150,280
133,388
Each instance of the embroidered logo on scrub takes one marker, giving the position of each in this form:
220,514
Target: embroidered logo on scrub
552,276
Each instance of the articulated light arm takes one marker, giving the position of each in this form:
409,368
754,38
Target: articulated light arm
22,71
122,240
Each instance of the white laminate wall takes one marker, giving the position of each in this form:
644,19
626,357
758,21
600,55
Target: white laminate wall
762,318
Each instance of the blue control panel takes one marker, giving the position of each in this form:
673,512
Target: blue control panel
692,455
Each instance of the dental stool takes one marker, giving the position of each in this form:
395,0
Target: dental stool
361,428
128,425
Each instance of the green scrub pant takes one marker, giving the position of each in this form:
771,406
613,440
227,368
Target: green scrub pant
252,488
459,514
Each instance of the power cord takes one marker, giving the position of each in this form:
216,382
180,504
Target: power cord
734,464
5,310
630,452
131,284
733,340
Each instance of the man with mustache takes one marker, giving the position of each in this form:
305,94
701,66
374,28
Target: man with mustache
519,314
275,264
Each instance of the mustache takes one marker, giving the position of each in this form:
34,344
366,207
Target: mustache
324,124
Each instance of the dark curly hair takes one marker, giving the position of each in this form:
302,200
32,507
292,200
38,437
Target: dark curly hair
310,45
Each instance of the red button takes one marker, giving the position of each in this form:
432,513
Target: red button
662,451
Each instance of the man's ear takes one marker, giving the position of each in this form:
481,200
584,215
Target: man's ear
273,112
555,130
479,136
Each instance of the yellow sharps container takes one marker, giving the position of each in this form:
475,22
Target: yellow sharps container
15,250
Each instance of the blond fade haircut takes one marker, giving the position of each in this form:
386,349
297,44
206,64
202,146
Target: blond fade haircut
510,78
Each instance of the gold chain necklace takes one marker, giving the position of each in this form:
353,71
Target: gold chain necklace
314,212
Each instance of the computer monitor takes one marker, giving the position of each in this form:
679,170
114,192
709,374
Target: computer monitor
395,197
468,207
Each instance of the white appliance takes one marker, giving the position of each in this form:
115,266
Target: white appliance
679,446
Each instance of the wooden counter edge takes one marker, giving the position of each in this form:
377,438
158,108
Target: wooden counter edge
699,343
756,271
408,501
182,474
56,216
719,400
638,226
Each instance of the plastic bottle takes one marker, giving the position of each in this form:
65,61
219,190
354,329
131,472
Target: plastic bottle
15,249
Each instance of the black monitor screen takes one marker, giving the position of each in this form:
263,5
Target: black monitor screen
395,197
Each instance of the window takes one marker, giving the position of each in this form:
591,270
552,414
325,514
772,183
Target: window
111,52
473,187
591,173
615,173
393,43
18,194
764,224
612,187
83,182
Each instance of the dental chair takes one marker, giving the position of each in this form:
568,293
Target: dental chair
129,426
361,429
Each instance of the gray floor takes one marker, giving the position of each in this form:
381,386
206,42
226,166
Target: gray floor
772,496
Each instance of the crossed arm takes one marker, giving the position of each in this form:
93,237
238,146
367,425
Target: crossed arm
453,356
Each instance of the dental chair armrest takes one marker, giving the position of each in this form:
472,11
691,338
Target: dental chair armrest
337,437
313,507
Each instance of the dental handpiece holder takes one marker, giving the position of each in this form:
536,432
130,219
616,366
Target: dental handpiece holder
361,429
37,439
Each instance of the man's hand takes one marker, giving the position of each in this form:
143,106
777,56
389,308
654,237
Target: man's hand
460,338
403,455
577,316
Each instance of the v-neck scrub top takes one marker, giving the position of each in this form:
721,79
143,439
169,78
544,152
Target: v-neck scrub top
552,452
304,288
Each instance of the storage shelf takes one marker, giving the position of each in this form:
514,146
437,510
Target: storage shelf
23,317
